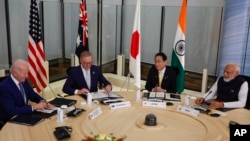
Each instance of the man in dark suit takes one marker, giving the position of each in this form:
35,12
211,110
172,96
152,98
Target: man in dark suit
85,77
15,92
161,78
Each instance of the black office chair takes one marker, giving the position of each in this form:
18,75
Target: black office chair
68,70
1,122
175,69
247,78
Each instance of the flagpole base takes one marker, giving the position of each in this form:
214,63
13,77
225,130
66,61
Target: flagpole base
138,95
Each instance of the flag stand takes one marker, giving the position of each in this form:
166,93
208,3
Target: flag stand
128,80
43,92
47,68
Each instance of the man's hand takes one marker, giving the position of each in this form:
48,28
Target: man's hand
50,106
199,100
108,88
158,89
41,105
216,104
83,91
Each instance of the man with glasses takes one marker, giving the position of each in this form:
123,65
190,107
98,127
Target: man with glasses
85,77
229,91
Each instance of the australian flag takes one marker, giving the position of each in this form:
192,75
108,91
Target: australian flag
82,37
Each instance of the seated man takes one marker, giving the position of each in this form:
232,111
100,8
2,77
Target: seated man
161,78
84,78
15,92
229,91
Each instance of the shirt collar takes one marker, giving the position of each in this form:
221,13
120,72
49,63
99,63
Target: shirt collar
163,70
15,80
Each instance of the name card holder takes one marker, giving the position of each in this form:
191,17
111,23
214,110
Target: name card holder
95,113
120,105
188,110
154,104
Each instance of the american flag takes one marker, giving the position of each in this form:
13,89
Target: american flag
82,37
36,57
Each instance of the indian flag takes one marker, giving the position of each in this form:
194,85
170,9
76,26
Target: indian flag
178,53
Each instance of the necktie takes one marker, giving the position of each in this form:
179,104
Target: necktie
88,78
22,92
160,78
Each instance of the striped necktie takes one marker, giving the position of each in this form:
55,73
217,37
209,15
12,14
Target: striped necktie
22,92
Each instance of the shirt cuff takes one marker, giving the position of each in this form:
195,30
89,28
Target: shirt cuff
76,91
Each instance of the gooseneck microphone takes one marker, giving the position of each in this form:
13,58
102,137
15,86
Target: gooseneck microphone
204,99
207,95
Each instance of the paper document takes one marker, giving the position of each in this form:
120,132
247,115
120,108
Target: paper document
160,95
101,95
47,110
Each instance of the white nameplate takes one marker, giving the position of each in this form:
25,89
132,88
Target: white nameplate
120,105
154,104
188,110
95,113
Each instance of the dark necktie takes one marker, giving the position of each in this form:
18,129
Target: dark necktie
22,92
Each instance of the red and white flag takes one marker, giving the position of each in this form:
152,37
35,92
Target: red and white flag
135,50
36,57
82,43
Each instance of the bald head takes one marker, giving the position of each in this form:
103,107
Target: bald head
231,71
19,70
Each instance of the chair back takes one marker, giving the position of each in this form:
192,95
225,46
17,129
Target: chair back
247,78
2,78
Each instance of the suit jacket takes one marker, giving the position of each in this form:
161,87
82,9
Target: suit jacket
168,82
76,80
11,99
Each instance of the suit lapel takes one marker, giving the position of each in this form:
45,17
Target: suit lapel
82,77
16,91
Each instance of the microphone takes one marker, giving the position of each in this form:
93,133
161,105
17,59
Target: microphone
207,95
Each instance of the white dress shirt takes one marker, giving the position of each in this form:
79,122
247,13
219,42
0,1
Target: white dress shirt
242,96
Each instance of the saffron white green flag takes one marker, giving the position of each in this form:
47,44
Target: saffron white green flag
178,53
135,50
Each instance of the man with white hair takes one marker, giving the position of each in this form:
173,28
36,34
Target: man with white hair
229,91
15,92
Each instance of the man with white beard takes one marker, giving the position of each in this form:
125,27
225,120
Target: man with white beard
229,91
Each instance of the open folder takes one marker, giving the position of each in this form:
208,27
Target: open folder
26,120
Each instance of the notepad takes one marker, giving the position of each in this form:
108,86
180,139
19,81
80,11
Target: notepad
45,113
26,120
